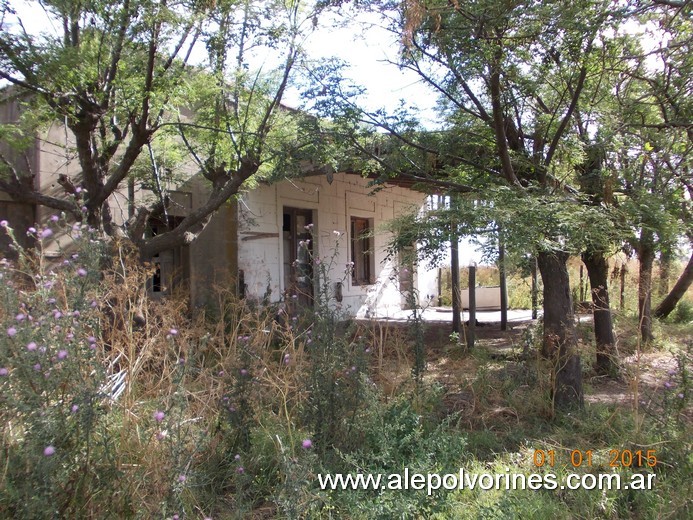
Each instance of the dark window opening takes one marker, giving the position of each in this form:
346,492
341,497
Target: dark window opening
362,258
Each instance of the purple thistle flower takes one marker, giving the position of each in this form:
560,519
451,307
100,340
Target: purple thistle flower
20,317
91,339
81,272
46,233
62,354
48,451
32,229
668,384
55,218
240,470
11,332
680,396
182,478
31,346
244,372
74,408
76,314
159,416
4,372
37,367
237,457
307,444
4,223
173,332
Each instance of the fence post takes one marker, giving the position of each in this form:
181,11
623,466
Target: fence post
472,307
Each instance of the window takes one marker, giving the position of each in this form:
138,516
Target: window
170,267
362,251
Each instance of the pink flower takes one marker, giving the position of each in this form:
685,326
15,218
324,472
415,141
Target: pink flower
11,332
46,233
62,354
48,451
20,317
307,444
4,223
74,408
55,218
182,478
31,346
159,416
81,272
240,469
4,372
173,332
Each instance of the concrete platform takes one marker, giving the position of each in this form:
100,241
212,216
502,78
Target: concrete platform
444,315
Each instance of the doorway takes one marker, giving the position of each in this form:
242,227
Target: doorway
298,255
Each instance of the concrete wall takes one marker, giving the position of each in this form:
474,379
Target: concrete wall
487,298
261,254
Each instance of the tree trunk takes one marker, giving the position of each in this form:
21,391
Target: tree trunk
560,340
646,255
680,287
598,273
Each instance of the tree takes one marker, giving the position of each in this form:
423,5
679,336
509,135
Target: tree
510,78
119,75
655,139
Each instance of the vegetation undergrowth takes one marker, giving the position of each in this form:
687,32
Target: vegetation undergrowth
117,406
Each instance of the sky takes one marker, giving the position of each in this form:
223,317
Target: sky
366,47
370,51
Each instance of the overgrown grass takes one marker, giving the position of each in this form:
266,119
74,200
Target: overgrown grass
519,286
137,410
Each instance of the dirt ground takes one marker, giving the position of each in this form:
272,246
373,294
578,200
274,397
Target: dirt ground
451,365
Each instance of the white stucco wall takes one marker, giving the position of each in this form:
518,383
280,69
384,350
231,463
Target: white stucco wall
261,254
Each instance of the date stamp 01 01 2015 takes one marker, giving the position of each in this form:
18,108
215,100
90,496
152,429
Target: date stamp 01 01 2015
616,458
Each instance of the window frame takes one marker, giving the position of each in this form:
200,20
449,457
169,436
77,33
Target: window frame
362,251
